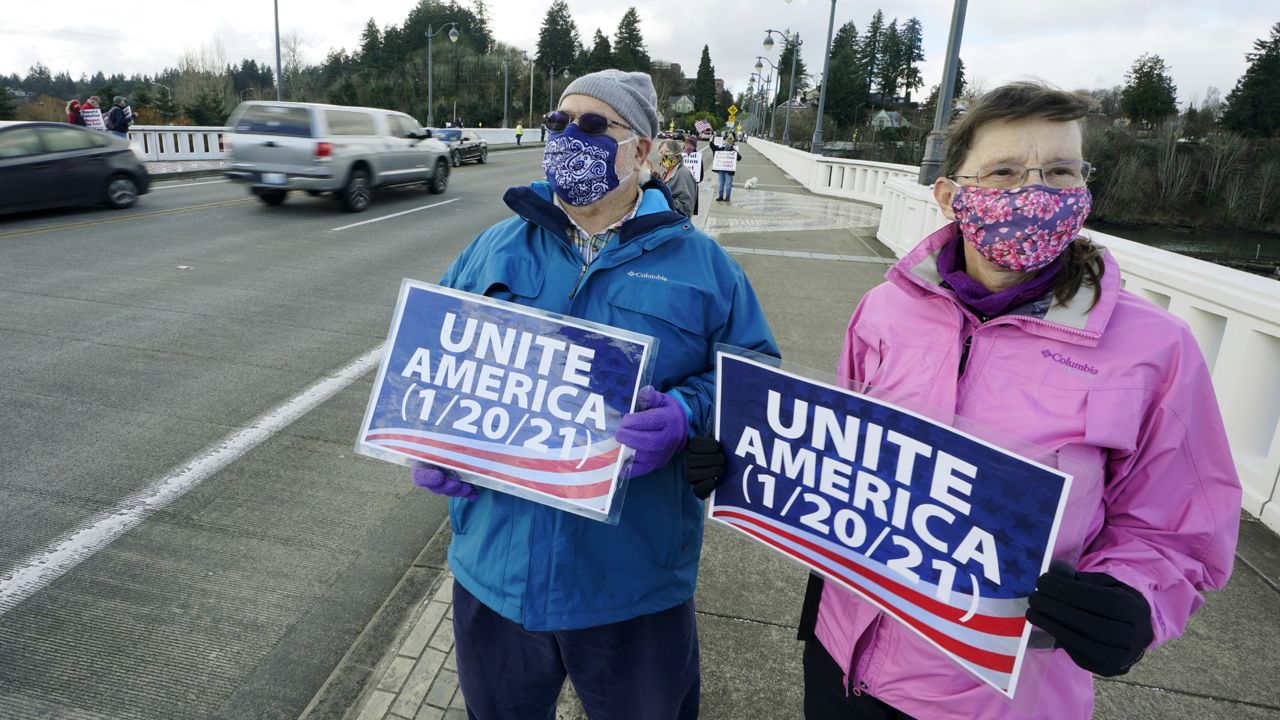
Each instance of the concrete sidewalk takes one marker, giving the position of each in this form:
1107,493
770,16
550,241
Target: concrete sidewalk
809,259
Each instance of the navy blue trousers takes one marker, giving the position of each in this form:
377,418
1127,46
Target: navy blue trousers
645,668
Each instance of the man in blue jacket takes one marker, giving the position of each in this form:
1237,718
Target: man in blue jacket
541,593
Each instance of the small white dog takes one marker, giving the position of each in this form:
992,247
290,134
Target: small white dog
750,183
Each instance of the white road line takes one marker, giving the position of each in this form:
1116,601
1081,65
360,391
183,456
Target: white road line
388,217
44,567
207,182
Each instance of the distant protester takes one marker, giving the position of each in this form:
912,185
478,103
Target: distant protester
73,113
120,117
91,113
677,177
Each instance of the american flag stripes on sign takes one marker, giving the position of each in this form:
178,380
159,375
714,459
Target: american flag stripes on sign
943,531
702,126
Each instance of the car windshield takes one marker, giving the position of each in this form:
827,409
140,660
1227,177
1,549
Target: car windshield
447,134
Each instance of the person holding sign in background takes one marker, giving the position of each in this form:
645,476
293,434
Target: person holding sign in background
725,187
677,177
1009,318
541,593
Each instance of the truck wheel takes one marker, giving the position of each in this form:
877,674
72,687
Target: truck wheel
273,197
357,195
439,182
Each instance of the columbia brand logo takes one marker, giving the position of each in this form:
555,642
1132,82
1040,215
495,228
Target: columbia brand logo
646,276
1066,362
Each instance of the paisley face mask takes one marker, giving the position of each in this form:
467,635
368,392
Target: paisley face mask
1022,229
580,167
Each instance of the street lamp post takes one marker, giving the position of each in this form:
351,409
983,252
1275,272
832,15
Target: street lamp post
931,164
794,41
279,77
768,86
525,58
506,96
551,86
453,37
822,95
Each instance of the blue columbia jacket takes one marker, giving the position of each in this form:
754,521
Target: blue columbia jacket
547,569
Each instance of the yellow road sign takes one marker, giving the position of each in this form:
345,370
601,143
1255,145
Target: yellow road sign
733,109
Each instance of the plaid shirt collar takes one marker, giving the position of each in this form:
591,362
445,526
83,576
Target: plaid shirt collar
588,245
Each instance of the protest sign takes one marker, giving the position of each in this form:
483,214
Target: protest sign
513,398
725,160
693,161
945,532
93,118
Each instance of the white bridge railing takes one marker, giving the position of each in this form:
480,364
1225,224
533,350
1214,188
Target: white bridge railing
1235,316
179,142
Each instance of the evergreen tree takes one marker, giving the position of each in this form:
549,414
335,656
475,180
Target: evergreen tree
785,90
206,109
1253,106
847,83
1149,94
8,108
628,44
911,52
704,84
558,41
871,48
889,64
370,44
166,108
601,55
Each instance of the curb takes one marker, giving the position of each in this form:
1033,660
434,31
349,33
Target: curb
185,174
356,674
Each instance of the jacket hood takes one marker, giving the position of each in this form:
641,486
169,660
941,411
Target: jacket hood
1075,322
534,203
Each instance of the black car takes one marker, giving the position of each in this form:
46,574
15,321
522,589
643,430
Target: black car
47,164
463,145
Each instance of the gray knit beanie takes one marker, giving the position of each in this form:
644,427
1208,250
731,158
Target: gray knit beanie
630,94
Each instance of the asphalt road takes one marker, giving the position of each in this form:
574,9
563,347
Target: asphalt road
133,343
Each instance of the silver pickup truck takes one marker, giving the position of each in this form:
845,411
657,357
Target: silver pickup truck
276,147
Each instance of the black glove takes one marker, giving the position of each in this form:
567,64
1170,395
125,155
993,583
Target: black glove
704,465
1102,624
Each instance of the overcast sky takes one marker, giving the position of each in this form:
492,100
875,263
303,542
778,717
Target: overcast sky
1081,43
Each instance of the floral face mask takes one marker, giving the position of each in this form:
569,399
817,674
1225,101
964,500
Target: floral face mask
1022,229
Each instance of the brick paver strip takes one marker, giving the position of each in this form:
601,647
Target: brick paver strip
443,690
430,713
423,628
419,682
376,706
395,675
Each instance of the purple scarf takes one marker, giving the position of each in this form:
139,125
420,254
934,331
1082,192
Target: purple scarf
977,297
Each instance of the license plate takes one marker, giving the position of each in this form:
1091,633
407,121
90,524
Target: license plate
274,179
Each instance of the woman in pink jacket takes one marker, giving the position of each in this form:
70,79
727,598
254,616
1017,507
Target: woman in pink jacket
1008,318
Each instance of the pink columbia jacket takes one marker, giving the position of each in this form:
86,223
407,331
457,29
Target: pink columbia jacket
1122,388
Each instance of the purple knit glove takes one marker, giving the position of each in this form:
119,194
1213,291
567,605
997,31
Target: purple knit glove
656,434
442,482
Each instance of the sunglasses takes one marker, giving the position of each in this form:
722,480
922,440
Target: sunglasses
589,123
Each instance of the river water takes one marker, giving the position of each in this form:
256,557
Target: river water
1205,244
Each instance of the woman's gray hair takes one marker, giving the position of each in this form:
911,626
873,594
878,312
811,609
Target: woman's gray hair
671,145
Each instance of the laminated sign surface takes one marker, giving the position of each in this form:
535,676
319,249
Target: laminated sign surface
514,399
945,532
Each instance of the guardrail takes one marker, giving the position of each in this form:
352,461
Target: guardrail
181,142
1234,316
